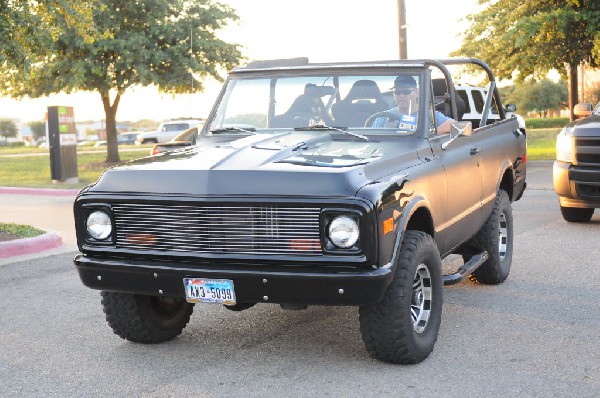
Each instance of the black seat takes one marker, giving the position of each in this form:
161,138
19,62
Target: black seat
363,100
441,98
306,107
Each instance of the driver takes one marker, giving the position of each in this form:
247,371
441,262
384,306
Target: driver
406,96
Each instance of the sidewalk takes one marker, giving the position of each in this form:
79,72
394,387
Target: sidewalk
50,210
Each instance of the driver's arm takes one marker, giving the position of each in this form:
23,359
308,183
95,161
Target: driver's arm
443,123
444,128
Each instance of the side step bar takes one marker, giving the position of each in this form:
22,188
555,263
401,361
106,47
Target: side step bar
467,269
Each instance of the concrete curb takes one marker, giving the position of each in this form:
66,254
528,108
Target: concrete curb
38,191
20,247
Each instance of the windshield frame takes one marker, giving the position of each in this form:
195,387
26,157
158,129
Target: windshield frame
420,71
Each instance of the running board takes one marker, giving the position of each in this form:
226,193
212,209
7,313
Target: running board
467,269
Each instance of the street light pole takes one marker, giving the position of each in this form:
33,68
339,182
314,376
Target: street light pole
402,29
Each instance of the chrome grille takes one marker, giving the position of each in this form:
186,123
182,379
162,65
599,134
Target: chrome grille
218,229
587,151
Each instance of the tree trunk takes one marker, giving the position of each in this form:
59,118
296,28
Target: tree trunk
112,147
573,90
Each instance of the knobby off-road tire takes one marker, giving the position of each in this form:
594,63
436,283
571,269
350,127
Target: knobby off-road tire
403,327
146,319
573,214
496,237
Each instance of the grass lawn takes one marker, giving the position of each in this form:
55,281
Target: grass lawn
18,231
541,144
11,150
34,171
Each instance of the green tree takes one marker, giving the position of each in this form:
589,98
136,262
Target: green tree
540,97
593,93
28,27
521,39
144,125
8,129
38,129
167,43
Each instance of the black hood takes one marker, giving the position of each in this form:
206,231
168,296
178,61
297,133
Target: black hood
297,163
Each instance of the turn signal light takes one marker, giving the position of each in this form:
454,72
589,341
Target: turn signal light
141,239
388,225
305,244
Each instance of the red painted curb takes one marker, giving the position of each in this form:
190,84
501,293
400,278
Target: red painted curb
38,191
20,247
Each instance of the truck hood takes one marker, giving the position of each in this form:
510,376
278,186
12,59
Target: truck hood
588,126
296,163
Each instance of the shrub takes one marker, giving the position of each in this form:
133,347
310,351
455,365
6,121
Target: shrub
546,123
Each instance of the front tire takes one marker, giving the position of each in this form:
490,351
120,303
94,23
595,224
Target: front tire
403,327
573,214
496,237
146,319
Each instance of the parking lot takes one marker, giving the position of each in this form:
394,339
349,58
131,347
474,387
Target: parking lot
537,334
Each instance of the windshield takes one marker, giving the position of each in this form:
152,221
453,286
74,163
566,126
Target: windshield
369,103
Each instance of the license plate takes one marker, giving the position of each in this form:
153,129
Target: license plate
201,290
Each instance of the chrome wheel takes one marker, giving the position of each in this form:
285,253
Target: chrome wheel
503,239
420,306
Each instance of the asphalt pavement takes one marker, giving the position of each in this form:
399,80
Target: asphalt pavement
536,335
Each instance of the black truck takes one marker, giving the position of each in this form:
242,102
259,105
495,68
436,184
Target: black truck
311,184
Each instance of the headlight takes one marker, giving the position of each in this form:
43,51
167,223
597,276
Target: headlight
98,225
343,232
564,148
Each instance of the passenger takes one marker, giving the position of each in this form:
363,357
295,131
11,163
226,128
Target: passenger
406,96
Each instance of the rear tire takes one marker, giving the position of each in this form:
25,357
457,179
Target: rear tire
403,327
496,237
146,319
574,214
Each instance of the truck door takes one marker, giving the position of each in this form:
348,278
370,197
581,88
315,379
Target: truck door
461,162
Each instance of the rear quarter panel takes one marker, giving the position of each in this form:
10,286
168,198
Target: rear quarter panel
504,151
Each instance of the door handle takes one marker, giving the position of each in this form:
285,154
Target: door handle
476,150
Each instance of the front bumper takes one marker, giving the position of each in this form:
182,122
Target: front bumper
253,284
576,186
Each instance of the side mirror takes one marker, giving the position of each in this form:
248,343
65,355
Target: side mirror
582,109
456,130
511,108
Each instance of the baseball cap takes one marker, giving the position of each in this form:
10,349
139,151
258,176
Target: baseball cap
404,81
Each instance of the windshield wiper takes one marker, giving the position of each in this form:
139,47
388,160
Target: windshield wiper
323,127
233,130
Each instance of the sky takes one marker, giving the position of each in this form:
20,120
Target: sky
322,30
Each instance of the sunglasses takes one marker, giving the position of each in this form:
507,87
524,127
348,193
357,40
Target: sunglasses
404,90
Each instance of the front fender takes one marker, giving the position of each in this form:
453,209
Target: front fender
402,217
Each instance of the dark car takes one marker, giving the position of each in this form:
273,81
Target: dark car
305,187
122,139
127,138
187,138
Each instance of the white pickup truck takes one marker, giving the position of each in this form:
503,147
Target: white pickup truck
166,131
474,101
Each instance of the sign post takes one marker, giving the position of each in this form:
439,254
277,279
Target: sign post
62,141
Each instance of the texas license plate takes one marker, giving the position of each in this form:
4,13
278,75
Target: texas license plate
201,290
